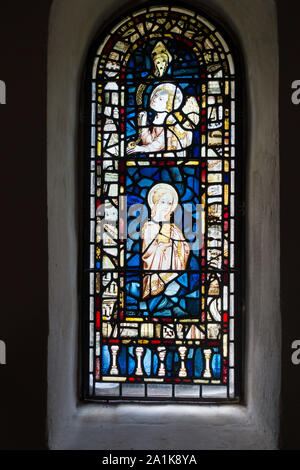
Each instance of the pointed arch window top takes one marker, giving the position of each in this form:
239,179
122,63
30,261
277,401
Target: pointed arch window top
162,271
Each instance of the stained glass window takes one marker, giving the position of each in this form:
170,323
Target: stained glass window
162,274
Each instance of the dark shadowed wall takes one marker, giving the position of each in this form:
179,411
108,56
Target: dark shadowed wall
24,278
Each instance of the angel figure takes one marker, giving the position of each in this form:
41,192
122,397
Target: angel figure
170,130
165,250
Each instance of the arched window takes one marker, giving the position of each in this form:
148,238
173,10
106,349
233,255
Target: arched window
163,159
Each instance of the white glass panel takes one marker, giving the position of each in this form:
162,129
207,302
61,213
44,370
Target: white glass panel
231,305
92,207
225,297
231,65
93,113
92,183
92,277
231,283
231,355
133,390
233,134
92,233
91,383
159,390
91,308
231,383
232,111
108,389
231,255
233,90
95,68
93,135
231,329
213,391
187,391
91,360
92,256
91,334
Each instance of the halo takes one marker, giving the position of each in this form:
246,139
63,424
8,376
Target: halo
166,187
170,88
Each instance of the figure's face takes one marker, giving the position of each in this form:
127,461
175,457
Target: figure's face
161,65
164,207
159,101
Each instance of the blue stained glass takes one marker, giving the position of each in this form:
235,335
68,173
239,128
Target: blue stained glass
163,313
131,199
131,360
105,360
183,280
164,304
134,261
189,170
122,359
169,362
197,138
154,364
133,289
154,302
179,312
194,264
194,280
187,196
130,129
192,307
145,183
198,362
130,301
147,362
130,244
216,365
189,367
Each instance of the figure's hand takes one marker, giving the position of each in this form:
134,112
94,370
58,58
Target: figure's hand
133,149
130,150
142,118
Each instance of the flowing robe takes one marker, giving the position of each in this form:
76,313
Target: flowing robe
175,137
164,248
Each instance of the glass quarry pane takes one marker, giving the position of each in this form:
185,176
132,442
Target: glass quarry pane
187,391
159,390
214,391
109,389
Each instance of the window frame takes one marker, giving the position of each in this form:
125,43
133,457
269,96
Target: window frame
241,124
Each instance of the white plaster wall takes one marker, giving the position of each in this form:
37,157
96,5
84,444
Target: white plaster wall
72,425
